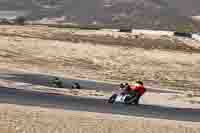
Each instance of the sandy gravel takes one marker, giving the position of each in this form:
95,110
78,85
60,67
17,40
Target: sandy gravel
21,119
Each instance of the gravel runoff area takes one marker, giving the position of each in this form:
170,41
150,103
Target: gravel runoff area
21,119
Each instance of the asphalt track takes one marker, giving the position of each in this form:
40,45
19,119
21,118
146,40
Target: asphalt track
59,101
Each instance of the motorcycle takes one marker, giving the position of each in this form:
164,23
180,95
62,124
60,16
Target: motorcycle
119,97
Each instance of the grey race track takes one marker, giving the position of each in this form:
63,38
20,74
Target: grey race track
59,101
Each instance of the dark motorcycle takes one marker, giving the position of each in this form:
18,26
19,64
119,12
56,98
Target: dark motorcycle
119,97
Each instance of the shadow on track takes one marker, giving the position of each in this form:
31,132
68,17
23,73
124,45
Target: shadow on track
59,101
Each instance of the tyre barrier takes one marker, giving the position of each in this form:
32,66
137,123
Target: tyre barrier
125,30
183,34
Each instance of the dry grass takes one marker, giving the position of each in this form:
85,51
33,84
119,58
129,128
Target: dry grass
158,61
145,41
20,119
102,62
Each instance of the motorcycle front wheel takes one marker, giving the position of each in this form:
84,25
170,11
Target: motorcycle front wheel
112,98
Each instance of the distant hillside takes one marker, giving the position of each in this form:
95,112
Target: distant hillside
185,7
153,14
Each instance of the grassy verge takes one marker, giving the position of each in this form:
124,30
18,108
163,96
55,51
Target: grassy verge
157,62
20,119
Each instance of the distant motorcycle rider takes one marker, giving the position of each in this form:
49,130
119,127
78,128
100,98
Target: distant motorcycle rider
57,82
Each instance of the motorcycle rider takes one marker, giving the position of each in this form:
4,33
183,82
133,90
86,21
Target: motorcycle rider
125,88
57,82
135,91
